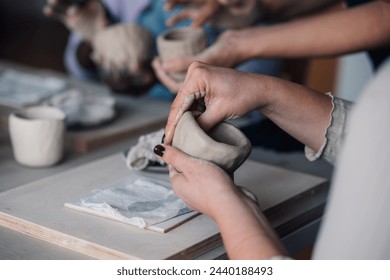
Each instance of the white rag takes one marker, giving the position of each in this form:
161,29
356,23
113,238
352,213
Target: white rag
141,155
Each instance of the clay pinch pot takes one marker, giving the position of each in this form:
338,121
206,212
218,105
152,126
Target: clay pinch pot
224,145
37,135
184,41
137,76
135,83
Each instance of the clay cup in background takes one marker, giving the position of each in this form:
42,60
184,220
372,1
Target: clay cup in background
37,135
185,41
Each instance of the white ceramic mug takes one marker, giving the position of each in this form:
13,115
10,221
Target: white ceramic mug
37,135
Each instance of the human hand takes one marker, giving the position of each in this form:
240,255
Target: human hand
86,18
199,11
225,52
171,83
123,52
239,7
226,94
221,13
202,185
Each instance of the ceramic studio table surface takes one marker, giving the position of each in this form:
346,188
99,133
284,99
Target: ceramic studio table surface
291,200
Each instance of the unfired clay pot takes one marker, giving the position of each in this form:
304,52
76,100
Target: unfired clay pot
131,44
37,135
225,145
185,41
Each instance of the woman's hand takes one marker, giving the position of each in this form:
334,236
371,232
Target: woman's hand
202,185
226,52
202,11
85,19
198,11
224,92
206,188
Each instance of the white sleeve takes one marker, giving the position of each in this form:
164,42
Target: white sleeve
356,224
335,132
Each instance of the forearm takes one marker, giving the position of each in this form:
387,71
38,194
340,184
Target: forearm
245,230
334,33
300,111
282,9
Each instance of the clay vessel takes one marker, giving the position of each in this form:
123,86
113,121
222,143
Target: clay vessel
225,145
185,41
37,135
137,76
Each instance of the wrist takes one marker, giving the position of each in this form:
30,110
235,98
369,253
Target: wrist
244,41
221,203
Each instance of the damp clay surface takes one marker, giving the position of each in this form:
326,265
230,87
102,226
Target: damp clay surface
224,145
177,42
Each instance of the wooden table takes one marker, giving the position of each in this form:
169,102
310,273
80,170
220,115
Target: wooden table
293,211
291,200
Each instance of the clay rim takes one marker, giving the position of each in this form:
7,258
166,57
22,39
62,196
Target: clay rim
39,113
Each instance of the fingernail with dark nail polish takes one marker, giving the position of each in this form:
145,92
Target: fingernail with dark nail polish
163,139
159,150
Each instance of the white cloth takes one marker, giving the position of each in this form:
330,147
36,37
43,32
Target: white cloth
141,155
137,200
356,223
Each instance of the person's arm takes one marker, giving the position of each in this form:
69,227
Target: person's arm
335,33
83,19
302,112
201,11
283,9
245,231
86,19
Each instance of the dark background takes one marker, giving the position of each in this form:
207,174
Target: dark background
28,37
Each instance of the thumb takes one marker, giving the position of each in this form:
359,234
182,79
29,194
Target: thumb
209,119
174,157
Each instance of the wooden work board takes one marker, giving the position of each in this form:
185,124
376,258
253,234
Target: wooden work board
37,209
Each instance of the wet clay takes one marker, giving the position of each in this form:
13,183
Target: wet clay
178,42
225,145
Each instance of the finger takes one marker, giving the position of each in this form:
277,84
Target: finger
73,11
201,19
170,4
177,64
209,118
173,171
54,12
164,77
183,102
175,158
179,106
183,15
204,14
